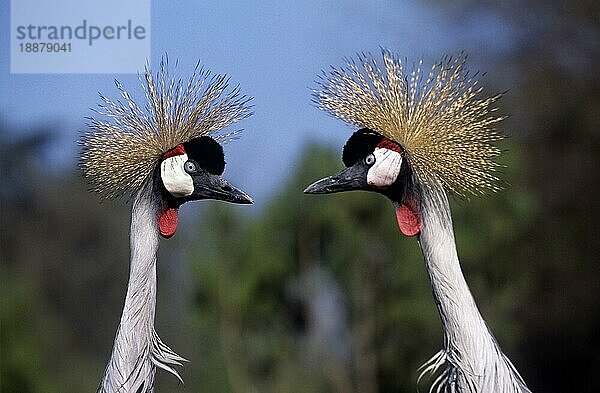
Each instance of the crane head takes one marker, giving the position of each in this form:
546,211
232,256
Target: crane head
375,163
435,131
192,171
170,143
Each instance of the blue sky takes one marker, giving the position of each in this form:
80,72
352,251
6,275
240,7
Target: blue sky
273,49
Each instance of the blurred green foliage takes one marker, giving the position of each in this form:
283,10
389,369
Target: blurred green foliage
322,293
60,250
265,285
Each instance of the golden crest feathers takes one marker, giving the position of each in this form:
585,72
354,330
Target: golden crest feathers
445,127
120,152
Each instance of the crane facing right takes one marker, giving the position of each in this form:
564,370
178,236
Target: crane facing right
421,136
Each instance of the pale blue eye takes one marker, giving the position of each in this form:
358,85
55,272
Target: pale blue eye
190,167
370,159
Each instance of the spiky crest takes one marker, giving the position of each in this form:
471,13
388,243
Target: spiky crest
121,151
445,127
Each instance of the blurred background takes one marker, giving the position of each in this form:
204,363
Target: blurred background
301,293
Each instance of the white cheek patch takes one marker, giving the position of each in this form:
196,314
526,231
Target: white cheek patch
175,179
386,168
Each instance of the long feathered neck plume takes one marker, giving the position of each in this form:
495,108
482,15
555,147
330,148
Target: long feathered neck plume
446,130
120,155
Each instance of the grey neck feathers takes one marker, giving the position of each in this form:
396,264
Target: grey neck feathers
137,349
474,361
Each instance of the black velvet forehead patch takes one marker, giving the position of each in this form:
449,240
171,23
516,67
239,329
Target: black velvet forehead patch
360,144
207,153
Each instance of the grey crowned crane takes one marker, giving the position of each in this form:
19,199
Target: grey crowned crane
163,154
420,136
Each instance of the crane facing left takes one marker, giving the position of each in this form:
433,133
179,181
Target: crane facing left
162,154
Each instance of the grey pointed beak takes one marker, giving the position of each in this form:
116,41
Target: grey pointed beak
212,186
352,178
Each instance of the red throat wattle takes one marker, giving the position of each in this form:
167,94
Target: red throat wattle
408,219
167,222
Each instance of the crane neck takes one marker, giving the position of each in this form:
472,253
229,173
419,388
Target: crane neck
130,365
465,331
474,359
144,240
